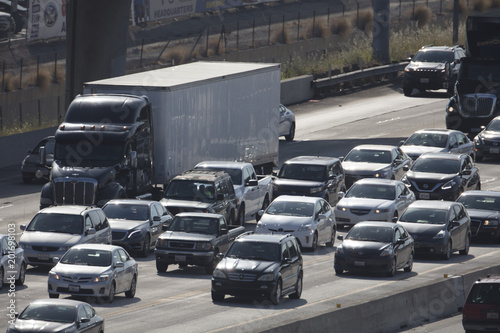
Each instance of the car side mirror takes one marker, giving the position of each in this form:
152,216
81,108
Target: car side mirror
400,241
341,158
55,260
220,197
84,320
252,182
43,156
322,217
156,218
223,231
22,227
29,151
455,224
90,231
219,255
260,212
406,168
164,227
340,237
394,219
402,142
467,172
119,264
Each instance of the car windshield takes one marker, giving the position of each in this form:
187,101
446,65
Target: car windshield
234,173
49,312
315,173
481,202
434,56
370,234
485,293
254,251
383,192
291,208
191,190
436,165
96,154
427,140
63,223
494,126
126,212
369,155
424,216
87,257
196,225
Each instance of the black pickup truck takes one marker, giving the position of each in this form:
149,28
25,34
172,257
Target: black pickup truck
195,239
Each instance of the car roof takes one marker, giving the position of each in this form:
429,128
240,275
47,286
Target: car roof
194,214
265,238
49,301
435,204
222,164
130,202
67,209
480,192
106,247
320,160
376,224
297,198
438,130
378,181
201,175
374,147
439,48
488,279
447,156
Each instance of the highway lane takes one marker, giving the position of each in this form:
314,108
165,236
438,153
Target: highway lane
180,298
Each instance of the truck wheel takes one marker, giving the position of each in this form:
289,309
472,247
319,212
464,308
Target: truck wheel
161,267
241,215
407,90
217,297
275,296
298,288
146,247
22,275
332,241
291,134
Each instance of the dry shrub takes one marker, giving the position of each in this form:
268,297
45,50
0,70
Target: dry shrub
176,55
342,27
10,82
482,5
462,7
365,20
60,74
423,15
321,29
281,36
215,46
44,78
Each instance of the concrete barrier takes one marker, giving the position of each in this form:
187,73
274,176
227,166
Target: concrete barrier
297,89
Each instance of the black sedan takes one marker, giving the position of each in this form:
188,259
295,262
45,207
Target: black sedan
438,227
54,315
378,247
442,176
484,211
487,142
136,224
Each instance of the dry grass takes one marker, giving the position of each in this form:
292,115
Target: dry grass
322,28
365,21
482,5
342,27
423,15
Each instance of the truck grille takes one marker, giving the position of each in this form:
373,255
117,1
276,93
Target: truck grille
360,211
75,279
75,191
181,245
245,277
478,105
118,235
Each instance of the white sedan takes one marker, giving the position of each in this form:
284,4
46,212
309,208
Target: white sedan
310,219
287,123
12,262
373,199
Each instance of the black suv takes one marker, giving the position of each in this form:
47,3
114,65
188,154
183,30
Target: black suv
481,311
201,191
432,68
314,176
259,265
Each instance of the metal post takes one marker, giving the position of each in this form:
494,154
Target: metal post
38,68
39,113
455,22
413,9
298,27
400,10
3,76
283,30
253,34
20,115
328,17
21,75
1,119
142,50
269,32
238,36
343,10
208,36
357,15
440,7
55,67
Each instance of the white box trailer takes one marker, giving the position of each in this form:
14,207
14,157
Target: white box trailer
207,111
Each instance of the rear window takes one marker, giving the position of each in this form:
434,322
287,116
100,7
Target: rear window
484,293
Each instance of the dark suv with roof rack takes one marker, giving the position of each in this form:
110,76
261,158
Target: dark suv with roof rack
260,265
432,68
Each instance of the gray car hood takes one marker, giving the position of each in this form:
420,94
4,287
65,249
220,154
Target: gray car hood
125,225
72,270
483,214
186,236
23,325
185,203
365,203
419,150
422,229
283,221
232,264
53,239
359,167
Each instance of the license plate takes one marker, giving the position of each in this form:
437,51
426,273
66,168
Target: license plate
475,129
424,80
180,258
73,289
359,263
424,195
43,257
492,315
494,150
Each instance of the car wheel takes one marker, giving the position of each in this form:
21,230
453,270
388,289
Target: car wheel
133,286
465,250
275,296
230,220
241,215
479,158
146,246
314,242
51,295
111,295
409,265
22,275
447,253
407,90
210,269
395,216
339,271
161,267
332,241
298,288
217,297
478,185
291,134
265,204
392,268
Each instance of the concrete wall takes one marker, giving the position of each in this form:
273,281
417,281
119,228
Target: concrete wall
297,89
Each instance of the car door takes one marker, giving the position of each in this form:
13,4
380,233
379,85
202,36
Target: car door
464,222
129,267
335,181
252,193
454,230
164,218
100,236
284,125
399,161
224,240
84,320
88,237
468,173
286,266
293,251
119,274
94,323
320,223
465,146
330,219
400,249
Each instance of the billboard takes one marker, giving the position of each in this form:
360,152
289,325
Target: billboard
46,19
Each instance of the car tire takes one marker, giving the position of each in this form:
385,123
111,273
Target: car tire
217,297
339,271
275,296
133,286
230,220
210,269
407,90
111,295
161,267
146,246
291,133
298,288
314,243
409,265
447,253
332,241
51,295
241,215
22,275
392,269
465,250
479,158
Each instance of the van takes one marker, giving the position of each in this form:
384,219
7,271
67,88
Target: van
481,311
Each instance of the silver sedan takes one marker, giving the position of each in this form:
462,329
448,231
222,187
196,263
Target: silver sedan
94,270
287,123
12,261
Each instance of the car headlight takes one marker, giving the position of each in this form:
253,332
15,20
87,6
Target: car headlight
25,246
409,69
162,243
439,235
380,211
135,234
478,140
381,174
206,246
219,274
53,275
448,185
315,189
305,227
266,277
339,250
101,278
450,109
388,251
490,222
341,208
